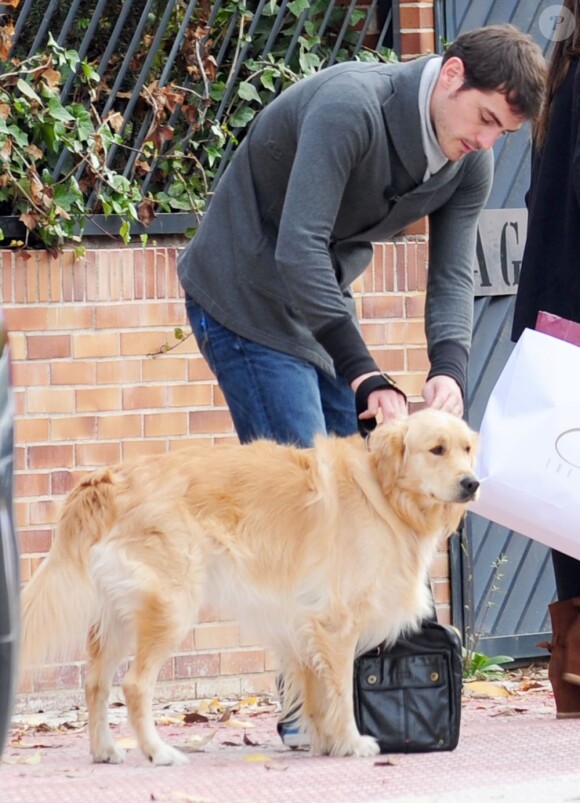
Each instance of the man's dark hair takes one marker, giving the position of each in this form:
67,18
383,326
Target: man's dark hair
503,58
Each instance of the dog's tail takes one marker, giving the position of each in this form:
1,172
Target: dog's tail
60,604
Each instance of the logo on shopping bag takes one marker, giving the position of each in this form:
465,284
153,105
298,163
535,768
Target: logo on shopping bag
567,447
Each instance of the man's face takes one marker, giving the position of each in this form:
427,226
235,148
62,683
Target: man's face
470,119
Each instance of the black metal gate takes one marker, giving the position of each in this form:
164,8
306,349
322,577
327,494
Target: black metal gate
502,581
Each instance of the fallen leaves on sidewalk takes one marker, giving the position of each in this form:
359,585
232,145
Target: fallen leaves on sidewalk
518,693
485,688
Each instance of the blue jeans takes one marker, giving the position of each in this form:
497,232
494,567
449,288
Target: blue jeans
271,394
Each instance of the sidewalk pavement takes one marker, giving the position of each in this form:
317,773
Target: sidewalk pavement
511,749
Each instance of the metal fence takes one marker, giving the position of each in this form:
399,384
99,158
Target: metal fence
184,78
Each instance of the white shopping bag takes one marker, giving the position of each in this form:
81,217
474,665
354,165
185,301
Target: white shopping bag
529,458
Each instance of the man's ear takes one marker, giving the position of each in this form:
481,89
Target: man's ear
387,446
452,73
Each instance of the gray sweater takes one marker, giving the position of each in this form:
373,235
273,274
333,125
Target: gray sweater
334,164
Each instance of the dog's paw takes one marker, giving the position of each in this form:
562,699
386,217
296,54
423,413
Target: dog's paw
358,745
109,755
364,746
165,756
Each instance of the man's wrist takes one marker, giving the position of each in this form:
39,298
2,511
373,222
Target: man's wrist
371,383
449,358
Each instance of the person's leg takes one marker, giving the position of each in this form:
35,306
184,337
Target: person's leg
567,574
270,394
564,667
338,405
273,395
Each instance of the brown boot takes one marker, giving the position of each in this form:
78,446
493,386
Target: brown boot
572,662
566,695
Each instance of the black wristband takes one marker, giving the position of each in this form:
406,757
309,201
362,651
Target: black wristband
364,390
449,358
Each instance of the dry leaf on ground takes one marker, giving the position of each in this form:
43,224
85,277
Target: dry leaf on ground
198,741
483,688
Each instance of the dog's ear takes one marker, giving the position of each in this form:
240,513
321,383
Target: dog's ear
387,446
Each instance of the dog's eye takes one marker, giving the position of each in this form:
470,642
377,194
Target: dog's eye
468,449
438,450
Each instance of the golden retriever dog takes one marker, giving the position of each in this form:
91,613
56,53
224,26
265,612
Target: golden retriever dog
325,551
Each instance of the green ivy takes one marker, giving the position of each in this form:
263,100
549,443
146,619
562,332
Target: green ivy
61,163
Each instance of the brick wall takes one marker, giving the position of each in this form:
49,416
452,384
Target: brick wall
94,384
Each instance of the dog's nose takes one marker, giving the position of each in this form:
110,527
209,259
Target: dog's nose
469,486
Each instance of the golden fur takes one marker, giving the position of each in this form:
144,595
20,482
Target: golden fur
325,551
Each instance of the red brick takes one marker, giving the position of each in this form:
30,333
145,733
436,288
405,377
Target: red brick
30,483
28,430
35,541
66,275
420,227
71,316
144,343
443,614
77,372
50,456
50,400
139,273
384,306
441,591
120,426
165,313
141,447
194,666
198,369
165,424
71,428
32,373
415,306
42,347
210,421
96,344
61,482
143,398
97,454
150,259
92,399
118,316
405,332
389,360
417,360
118,372
416,16
164,369
43,511
91,276
216,635
240,662
417,43
190,395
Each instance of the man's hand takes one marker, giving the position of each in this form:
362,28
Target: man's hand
443,393
389,403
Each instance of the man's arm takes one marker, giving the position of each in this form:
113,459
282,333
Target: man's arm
449,305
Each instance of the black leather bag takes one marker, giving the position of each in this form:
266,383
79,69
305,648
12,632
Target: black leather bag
408,696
